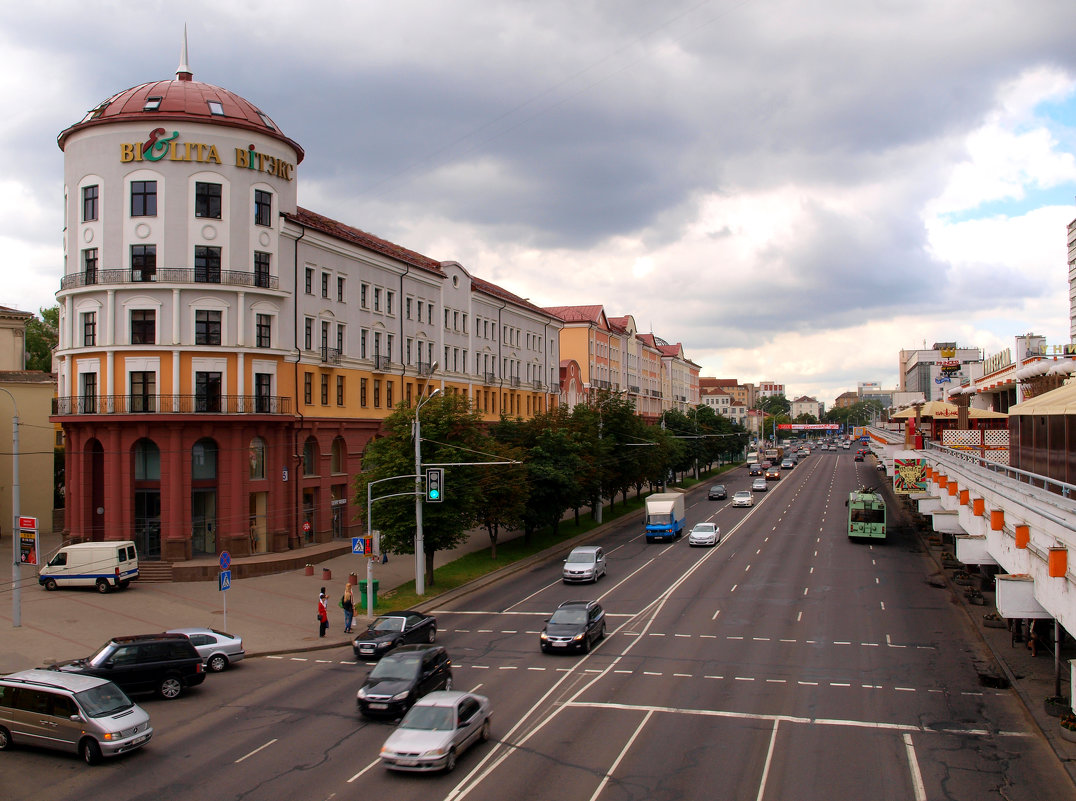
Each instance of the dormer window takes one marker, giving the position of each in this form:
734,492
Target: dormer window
266,121
152,104
215,108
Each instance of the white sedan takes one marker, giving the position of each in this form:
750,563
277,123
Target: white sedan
436,730
704,534
218,649
743,498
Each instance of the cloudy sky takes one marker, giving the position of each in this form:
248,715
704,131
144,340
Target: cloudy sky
794,191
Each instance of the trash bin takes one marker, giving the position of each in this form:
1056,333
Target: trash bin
362,593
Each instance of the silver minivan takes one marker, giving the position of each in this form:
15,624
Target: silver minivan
69,712
585,563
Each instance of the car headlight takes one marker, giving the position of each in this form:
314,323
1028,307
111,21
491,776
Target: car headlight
435,752
401,696
362,692
544,636
384,644
578,636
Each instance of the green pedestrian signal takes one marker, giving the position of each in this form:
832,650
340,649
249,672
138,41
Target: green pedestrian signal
435,481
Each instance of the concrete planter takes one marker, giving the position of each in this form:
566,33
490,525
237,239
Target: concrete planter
1056,707
1068,734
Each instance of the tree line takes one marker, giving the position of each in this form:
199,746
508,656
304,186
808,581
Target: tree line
554,463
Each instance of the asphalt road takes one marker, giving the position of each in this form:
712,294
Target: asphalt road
785,663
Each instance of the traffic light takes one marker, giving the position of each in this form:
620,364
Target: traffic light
435,483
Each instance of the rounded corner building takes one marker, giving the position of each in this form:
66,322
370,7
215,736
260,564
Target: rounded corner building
224,355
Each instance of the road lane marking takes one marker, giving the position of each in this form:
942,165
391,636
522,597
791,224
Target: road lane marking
769,760
913,766
364,770
620,756
256,750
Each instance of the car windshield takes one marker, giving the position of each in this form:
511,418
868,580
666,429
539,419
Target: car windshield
388,624
717,488
429,718
580,557
704,527
108,699
102,655
397,668
574,616
743,494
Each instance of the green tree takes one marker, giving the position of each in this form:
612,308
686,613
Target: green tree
503,492
451,432
42,335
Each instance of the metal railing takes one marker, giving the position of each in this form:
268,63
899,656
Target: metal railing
381,363
172,404
170,275
330,355
425,368
489,378
513,381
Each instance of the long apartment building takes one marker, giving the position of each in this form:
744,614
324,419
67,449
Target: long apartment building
225,355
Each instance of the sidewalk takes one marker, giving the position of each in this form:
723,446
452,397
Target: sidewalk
272,614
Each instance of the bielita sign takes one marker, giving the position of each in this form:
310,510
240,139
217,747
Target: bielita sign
808,426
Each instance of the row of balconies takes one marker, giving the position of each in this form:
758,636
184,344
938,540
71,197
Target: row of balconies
170,275
172,404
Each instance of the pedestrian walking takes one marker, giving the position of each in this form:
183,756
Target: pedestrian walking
323,613
348,604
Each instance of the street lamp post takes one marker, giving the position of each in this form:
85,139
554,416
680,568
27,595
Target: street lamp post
16,567
420,556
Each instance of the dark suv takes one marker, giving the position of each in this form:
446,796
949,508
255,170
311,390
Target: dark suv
402,677
144,663
575,625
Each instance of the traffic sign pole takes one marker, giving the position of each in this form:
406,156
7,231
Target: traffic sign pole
225,582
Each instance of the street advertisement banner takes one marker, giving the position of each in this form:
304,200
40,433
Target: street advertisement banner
28,541
909,476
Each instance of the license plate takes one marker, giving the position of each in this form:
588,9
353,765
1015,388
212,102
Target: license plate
407,763
558,644
378,706
139,740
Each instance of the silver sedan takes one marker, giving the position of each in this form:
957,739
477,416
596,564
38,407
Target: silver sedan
704,534
218,649
436,730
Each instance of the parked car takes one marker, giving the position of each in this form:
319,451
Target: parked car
704,534
393,629
717,492
585,563
744,498
436,730
142,663
218,649
105,565
401,678
82,714
773,473
574,625
759,485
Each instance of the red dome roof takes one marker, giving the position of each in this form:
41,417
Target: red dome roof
181,100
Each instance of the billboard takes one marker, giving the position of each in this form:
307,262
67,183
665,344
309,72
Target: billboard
909,476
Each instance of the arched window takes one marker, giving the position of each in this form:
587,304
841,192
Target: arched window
339,455
204,460
257,458
147,461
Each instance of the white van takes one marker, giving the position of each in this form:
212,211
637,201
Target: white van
106,565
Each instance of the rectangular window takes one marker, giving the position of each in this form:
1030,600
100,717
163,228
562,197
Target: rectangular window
429,313
261,269
263,387
325,285
407,352
420,311
143,262
388,394
388,346
463,322
206,327
446,319
90,196
263,207
309,281
455,321
207,200
89,328
377,298
207,264
339,390
362,344
308,334
89,266
362,392
143,198
340,289
389,295
207,392
324,335
324,389
362,294
377,393
143,326
87,402
308,388
407,308
377,344
143,392
263,331
407,393
340,338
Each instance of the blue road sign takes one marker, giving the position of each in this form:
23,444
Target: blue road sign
225,580
360,545
225,560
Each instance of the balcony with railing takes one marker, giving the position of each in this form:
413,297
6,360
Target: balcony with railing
425,368
536,384
489,378
172,404
513,381
330,355
381,364
170,275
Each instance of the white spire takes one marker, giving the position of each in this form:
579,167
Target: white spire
183,72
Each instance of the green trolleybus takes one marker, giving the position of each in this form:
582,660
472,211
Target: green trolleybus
866,514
